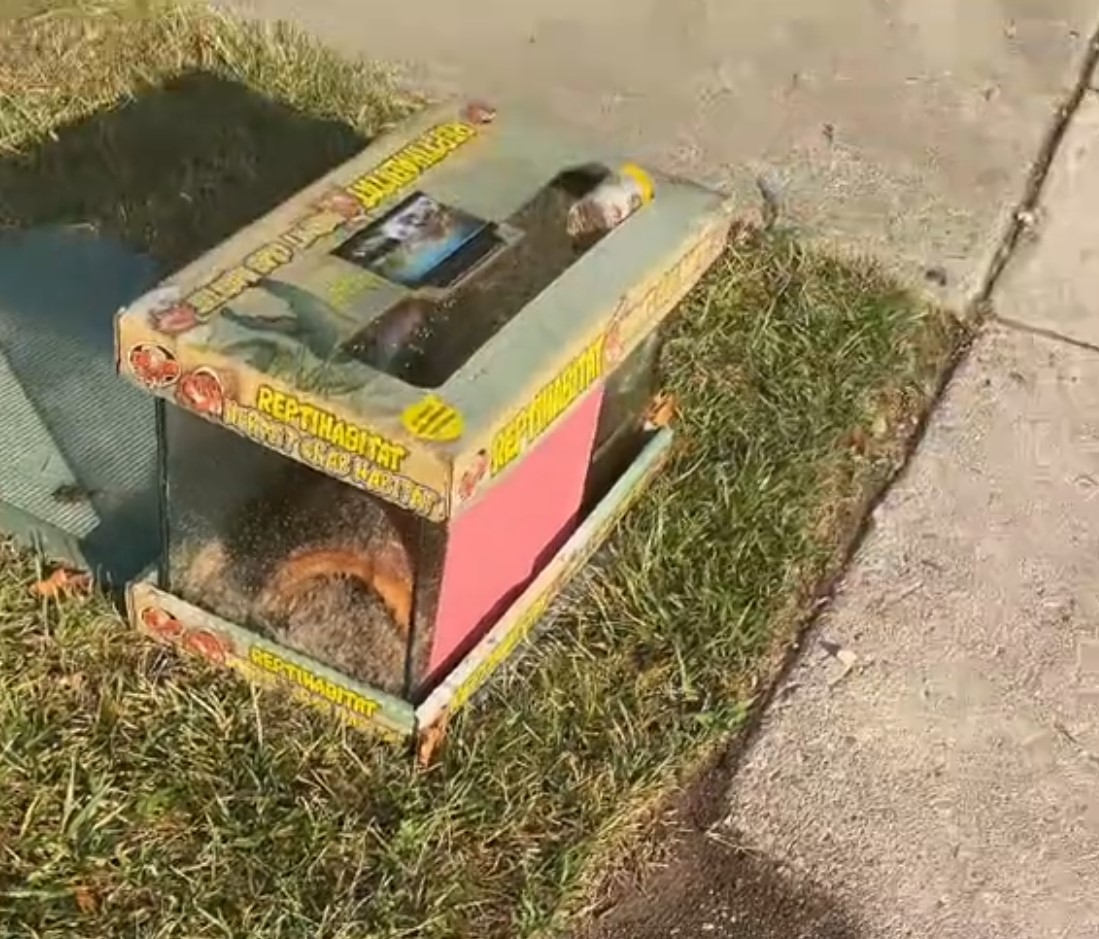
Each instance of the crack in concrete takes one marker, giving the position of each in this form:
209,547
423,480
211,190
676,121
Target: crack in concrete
1027,209
1050,334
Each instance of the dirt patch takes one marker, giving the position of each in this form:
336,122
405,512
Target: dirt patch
715,888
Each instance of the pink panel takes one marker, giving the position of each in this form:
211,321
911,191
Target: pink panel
497,545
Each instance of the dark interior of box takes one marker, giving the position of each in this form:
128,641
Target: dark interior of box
430,335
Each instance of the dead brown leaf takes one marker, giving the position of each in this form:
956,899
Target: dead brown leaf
662,410
431,738
64,582
86,899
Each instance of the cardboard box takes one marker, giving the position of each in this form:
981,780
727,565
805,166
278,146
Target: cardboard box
399,400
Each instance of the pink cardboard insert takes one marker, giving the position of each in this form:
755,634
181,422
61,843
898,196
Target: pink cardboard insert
499,543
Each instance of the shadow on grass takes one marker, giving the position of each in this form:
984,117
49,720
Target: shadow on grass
175,170
169,174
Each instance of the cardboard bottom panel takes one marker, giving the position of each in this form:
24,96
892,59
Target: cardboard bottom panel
168,619
171,620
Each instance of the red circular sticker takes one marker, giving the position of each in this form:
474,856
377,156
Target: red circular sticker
341,203
201,391
472,477
477,112
207,645
153,365
161,623
175,319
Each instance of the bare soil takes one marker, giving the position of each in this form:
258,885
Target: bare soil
709,883
713,888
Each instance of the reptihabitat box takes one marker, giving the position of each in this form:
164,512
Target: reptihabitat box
399,411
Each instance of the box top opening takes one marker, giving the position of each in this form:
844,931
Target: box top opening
441,298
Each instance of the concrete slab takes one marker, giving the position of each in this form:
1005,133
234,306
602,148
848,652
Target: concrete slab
1052,281
945,780
900,127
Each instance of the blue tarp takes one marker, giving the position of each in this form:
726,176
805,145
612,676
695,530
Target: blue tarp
78,444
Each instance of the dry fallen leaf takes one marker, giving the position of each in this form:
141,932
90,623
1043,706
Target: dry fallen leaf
859,441
847,658
431,739
64,582
73,682
86,900
661,411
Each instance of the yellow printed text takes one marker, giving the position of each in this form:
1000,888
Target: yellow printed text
260,428
334,461
366,723
314,684
409,163
368,476
636,315
229,284
507,644
309,419
548,404
396,489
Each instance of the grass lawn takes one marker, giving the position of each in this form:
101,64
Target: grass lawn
142,795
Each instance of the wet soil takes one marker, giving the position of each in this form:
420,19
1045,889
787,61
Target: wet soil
715,889
707,882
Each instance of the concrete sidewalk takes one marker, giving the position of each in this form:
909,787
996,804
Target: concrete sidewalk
930,767
948,785
900,127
